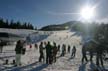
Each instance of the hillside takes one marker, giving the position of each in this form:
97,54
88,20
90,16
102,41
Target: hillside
63,26
65,63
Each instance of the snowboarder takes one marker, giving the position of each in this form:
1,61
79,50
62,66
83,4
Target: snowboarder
41,48
73,52
48,53
18,51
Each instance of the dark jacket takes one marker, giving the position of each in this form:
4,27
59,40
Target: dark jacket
41,48
84,50
18,49
55,50
48,49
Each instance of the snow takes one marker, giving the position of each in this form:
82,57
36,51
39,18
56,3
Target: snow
17,31
30,59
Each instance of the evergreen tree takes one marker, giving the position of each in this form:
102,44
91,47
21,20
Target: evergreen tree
18,25
15,25
12,24
1,23
6,24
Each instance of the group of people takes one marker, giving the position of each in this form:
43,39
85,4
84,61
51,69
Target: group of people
51,51
47,50
68,50
98,51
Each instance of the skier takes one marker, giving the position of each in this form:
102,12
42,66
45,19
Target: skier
41,48
73,52
48,53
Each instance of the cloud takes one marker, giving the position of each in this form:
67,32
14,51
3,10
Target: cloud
60,13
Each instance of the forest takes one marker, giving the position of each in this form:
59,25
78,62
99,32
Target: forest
15,25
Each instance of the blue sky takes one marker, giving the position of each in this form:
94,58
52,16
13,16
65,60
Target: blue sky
45,12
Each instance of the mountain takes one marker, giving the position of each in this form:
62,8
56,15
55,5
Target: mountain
63,26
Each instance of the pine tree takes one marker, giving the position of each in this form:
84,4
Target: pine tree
6,24
18,25
1,23
12,24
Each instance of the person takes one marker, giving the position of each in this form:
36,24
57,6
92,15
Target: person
30,46
91,55
54,52
58,48
1,46
73,52
41,48
69,48
36,45
63,50
48,53
84,57
45,43
18,51
99,55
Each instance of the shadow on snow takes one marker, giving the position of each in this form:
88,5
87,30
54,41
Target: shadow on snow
39,68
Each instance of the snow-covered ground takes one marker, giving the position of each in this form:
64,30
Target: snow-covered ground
17,31
30,59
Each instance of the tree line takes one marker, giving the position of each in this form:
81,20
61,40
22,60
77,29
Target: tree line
15,25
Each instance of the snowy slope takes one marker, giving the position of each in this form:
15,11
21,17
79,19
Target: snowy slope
17,31
30,59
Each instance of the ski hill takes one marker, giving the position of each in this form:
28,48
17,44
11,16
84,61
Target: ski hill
30,59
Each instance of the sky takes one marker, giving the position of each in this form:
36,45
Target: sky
45,12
